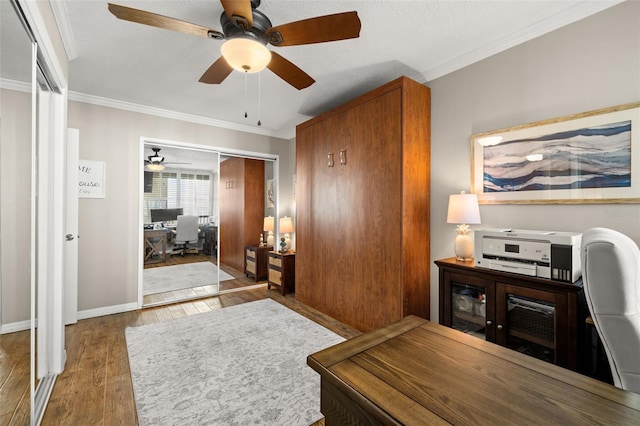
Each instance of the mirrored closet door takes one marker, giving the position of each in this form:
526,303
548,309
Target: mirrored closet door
211,186
180,221
31,109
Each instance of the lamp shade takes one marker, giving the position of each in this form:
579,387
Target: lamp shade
155,167
246,54
268,223
463,208
286,225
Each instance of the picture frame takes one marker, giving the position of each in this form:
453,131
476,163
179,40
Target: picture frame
592,157
91,178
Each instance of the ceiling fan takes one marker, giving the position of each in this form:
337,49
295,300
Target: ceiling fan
156,161
247,31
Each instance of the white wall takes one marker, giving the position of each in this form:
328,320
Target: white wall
592,64
108,228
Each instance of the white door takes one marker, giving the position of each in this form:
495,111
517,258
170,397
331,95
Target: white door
71,229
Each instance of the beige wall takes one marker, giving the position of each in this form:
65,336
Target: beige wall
109,228
592,64
15,189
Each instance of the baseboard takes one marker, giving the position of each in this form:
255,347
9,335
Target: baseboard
89,313
15,326
107,310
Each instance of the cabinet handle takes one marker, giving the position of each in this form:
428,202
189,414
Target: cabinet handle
343,156
330,159
489,322
500,327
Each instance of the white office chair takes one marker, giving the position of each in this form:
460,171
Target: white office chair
611,278
186,232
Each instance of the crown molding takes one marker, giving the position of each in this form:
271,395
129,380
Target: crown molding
569,16
143,109
19,86
159,112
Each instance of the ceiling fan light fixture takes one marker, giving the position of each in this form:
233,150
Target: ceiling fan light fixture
246,54
155,167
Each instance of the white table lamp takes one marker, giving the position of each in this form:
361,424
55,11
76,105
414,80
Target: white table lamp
463,210
269,226
286,227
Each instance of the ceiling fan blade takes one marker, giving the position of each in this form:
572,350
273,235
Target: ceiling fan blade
160,21
217,72
289,72
320,29
239,11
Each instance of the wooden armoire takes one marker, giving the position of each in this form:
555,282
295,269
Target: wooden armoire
362,196
242,187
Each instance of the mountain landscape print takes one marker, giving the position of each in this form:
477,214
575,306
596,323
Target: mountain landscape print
591,157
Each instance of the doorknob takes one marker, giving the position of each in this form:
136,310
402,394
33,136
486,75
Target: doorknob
69,237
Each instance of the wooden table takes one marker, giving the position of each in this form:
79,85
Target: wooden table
416,372
155,243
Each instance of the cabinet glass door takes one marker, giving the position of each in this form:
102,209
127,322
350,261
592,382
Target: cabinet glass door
469,309
527,321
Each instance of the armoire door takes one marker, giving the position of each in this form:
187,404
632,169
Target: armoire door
242,188
349,221
374,170
317,242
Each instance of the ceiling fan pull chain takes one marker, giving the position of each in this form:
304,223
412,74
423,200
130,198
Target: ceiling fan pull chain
245,95
259,103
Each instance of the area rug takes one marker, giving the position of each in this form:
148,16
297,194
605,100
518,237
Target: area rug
177,277
241,365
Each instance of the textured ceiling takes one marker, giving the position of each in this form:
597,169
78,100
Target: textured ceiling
118,60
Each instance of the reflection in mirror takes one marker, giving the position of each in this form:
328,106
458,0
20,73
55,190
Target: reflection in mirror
180,224
185,181
17,56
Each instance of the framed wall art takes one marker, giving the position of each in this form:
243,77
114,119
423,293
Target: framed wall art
593,157
91,176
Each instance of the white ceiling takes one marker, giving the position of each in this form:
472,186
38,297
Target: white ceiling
135,66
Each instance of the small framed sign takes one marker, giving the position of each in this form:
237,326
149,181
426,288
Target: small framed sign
91,176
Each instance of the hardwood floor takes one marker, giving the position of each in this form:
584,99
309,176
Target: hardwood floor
95,388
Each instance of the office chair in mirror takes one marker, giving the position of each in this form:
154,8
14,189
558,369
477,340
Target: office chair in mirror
186,235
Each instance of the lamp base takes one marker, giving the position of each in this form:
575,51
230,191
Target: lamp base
464,259
463,247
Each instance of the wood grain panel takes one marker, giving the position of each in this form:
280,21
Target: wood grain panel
363,226
455,378
241,208
254,190
231,206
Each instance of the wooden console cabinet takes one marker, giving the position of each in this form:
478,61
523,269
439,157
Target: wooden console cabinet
282,271
255,261
362,197
537,316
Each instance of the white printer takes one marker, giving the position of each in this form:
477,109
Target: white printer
545,254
